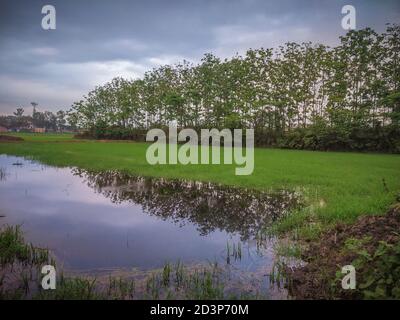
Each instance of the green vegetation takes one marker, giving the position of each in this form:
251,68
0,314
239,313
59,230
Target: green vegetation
19,263
13,249
302,96
379,270
288,249
45,120
371,245
71,289
338,186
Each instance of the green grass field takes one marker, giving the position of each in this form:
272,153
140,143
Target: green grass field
338,186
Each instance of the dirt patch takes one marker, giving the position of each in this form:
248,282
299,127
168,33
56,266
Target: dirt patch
7,138
325,258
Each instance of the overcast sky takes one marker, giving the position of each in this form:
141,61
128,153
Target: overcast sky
96,40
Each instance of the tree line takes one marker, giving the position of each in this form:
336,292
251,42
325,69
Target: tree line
20,121
304,95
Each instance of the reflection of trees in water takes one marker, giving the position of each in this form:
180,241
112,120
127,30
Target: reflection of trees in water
3,174
206,205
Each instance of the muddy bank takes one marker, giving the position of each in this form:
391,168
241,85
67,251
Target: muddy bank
7,138
371,244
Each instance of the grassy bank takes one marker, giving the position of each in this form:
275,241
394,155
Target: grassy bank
339,186
371,245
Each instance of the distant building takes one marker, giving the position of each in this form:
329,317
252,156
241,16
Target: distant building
3,129
39,130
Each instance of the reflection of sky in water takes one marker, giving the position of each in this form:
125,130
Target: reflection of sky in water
86,230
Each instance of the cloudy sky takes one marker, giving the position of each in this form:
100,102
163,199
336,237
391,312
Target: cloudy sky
95,41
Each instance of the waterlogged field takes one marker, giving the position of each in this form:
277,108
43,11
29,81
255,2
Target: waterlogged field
339,186
194,231
112,223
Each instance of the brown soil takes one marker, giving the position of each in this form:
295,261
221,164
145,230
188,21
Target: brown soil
326,257
7,138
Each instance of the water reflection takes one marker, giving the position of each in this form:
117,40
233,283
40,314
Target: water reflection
3,174
208,206
112,220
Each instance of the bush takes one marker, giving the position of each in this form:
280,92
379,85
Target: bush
381,139
100,131
317,137
378,272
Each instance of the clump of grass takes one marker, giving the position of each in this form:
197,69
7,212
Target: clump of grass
14,249
179,273
279,276
185,283
119,288
288,249
153,287
166,274
72,289
20,264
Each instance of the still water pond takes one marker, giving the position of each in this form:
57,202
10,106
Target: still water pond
114,220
